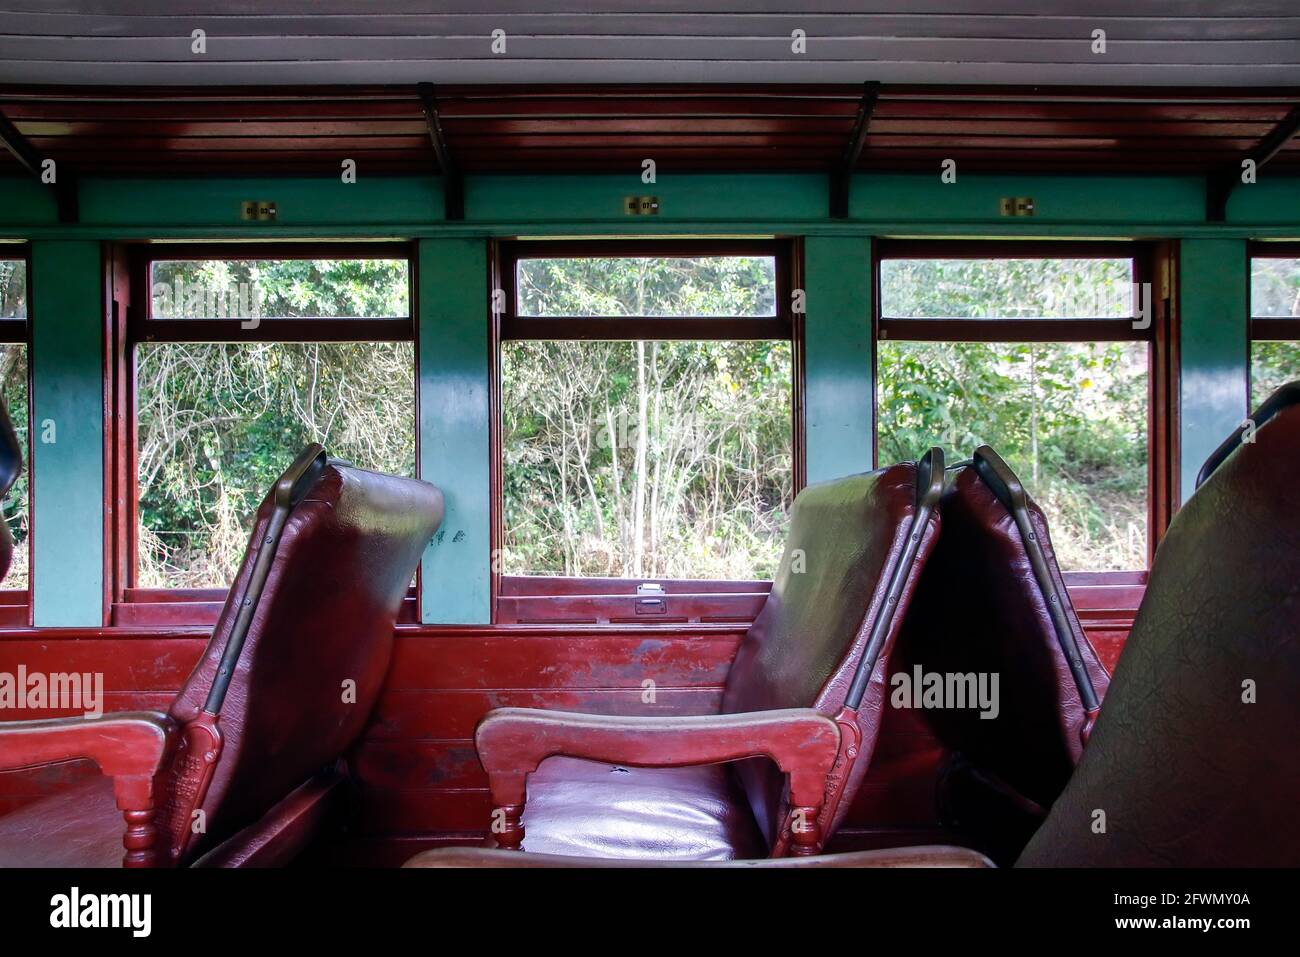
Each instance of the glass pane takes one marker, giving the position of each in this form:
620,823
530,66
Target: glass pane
217,423
1069,418
646,459
13,289
280,289
13,387
721,286
1006,288
1275,287
1272,364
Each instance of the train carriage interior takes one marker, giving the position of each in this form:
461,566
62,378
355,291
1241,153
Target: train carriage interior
629,436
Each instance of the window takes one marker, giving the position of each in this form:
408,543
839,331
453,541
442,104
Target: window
1036,352
13,389
239,362
647,427
1275,318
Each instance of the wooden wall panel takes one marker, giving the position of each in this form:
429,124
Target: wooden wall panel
556,660
415,714
418,775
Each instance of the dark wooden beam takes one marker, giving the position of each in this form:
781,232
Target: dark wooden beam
842,174
65,183
453,183
17,144
1219,186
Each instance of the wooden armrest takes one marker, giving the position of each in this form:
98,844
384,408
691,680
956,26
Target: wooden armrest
131,747
512,742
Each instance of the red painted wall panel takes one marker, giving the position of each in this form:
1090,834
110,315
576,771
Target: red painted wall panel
416,768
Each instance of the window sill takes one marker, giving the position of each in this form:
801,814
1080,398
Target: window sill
170,607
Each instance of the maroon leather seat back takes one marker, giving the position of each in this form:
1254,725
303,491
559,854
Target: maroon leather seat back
1186,772
846,539
324,619
979,608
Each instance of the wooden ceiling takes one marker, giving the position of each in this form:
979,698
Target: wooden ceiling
1243,43
310,130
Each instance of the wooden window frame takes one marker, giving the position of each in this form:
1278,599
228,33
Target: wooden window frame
16,603
554,599
1270,328
556,328
1153,262
143,327
1097,329
130,323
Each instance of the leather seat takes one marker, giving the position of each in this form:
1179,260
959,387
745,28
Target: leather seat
986,603
590,809
851,561
286,684
892,857
1193,762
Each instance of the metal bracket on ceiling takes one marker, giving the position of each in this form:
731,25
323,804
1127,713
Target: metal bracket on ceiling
843,173
1219,185
453,183
65,183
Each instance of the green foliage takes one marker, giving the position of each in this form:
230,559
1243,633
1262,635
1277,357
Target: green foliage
13,289
217,423
669,459
1006,288
1070,418
651,459
720,286
282,288
1274,287
1272,364
13,389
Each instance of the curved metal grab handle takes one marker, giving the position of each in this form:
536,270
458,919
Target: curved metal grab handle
1006,488
290,489
1285,397
929,489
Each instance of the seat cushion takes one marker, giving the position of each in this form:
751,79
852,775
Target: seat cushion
589,809
926,856
80,826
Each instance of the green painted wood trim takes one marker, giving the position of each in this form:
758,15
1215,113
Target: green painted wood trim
371,200
67,357
557,205
839,384
925,198
1214,348
696,229
683,198
455,453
